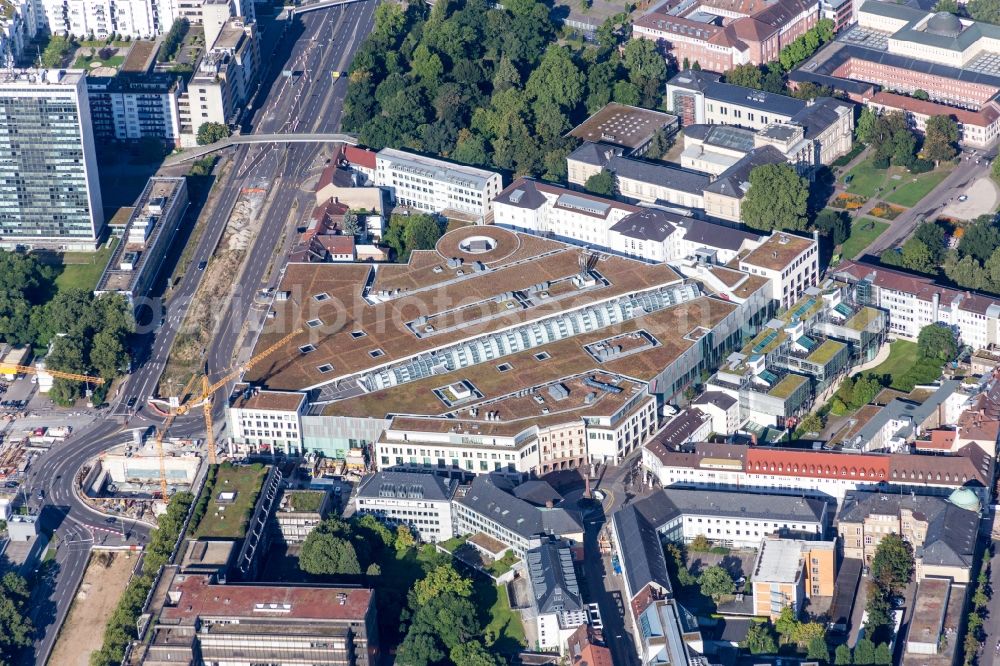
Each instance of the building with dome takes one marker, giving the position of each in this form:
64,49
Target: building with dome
895,50
941,530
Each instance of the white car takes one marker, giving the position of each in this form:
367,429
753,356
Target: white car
964,197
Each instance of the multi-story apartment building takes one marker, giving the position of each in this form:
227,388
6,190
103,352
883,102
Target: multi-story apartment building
824,474
136,261
127,107
489,506
496,351
942,531
720,34
100,19
434,185
558,604
418,500
788,572
789,262
49,190
202,622
915,301
262,421
223,80
731,518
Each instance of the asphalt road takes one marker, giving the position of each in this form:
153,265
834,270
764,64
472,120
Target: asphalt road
316,43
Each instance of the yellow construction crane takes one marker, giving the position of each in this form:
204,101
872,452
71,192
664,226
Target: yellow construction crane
160,434
205,399
31,370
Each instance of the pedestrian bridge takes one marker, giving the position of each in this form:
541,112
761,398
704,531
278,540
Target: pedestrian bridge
236,139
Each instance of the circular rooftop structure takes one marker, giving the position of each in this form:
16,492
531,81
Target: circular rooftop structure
965,498
945,24
485,243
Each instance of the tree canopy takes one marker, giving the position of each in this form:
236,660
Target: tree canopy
987,11
761,639
330,549
937,341
603,183
211,132
16,630
940,138
777,199
407,233
716,582
488,85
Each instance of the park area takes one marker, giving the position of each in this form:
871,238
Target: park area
106,576
895,185
905,367
864,231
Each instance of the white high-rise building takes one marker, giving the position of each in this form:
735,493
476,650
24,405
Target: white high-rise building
136,19
49,190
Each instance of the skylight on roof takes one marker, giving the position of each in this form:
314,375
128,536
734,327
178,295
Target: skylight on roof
313,323
375,353
305,349
320,297
325,368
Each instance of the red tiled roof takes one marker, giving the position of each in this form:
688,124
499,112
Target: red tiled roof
361,157
199,598
817,464
982,118
337,244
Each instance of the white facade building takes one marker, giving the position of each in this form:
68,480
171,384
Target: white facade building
433,185
266,421
134,19
418,500
790,262
914,302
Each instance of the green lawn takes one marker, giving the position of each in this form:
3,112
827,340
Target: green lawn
228,520
864,231
504,624
917,187
306,500
453,544
86,62
504,564
82,270
865,179
905,368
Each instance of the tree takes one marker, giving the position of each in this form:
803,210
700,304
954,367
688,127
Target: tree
404,538
864,129
883,655
995,170
786,624
842,655
108,354
56,51
809,90
557,80
864,652
921,95
940,138
937,341
16,630
326,554
370,524
812,422
818,650
602,183
834,224
209,133
748,76
967,272
419,649
646,68
981,238
987,11
991,269
700,544
451,618
440,580
173,39
917,256
777,198
473,653
864,391
351,225
660,144
760,639
879,618
716,582
932,235
950,6
373,570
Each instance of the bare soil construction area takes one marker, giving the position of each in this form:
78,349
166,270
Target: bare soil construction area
83,631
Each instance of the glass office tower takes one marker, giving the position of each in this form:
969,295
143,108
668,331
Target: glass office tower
49,191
